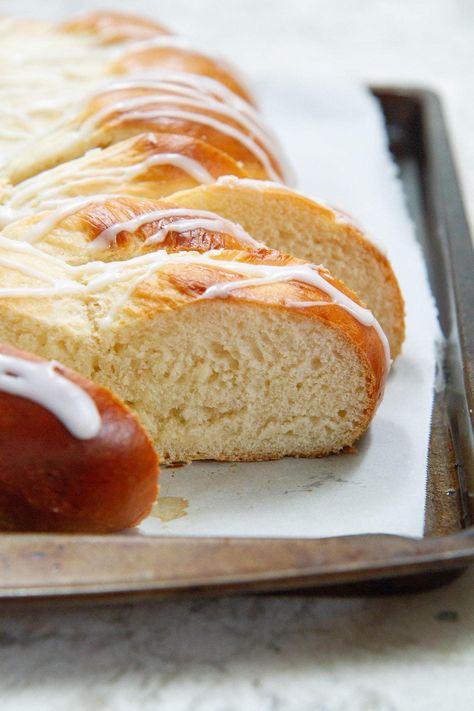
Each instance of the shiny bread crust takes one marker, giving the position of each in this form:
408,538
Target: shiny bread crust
176,286
122,123
72,236
59,483
97,217
148,144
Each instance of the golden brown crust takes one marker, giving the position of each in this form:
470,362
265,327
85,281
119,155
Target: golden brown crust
176,59
397,302
51,481
111,27
91,128
215,161
181,280
71,236
177,285
97,217
182,286
154,115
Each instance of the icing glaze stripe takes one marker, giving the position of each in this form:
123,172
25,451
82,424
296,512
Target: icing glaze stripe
43,384
38,230
193,219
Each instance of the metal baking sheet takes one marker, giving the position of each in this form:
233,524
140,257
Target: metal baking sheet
125,566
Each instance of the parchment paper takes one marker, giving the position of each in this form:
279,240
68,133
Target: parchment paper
335,138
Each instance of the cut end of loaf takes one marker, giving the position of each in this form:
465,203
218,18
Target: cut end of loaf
259,374
295,224
241,383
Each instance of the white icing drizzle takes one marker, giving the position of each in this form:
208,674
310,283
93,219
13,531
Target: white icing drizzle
127,112
203,85
43,384
195,92
232,181
13,134
26,270
9,214
204,120
304,273
190,166
15,125
34,189
207,92
38,230
193,220
181,43
28,105
158,79
29,250
13,113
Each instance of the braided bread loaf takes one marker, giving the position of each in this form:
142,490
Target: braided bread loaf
123,256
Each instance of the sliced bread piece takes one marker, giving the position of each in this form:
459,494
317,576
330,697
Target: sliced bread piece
291,222
225,355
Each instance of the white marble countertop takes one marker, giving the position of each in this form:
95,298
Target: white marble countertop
271,654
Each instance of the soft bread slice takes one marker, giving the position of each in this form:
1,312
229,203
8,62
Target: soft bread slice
296,224
53,479
118,228
182,104
144,166
225,355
